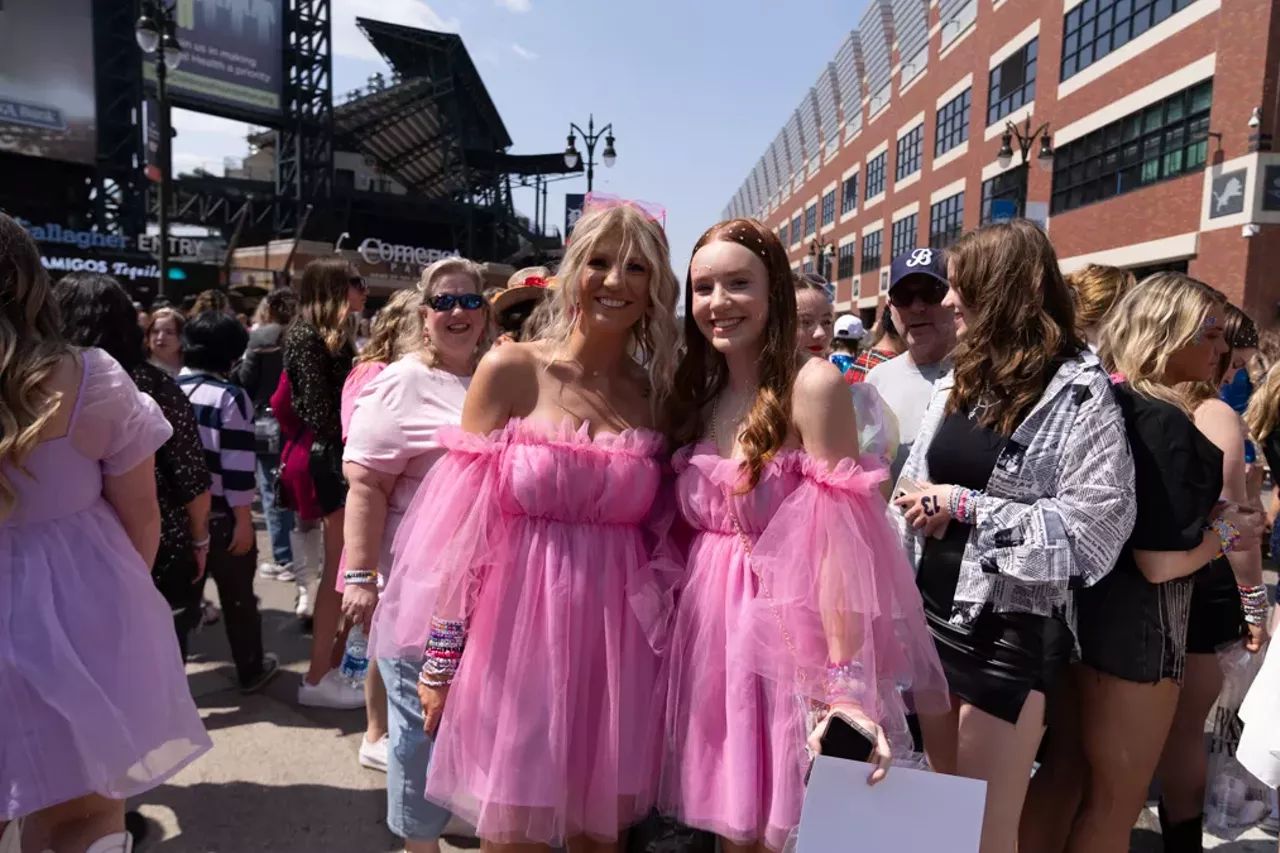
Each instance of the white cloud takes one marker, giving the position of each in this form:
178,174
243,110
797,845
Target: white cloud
516,5
523,52
348,41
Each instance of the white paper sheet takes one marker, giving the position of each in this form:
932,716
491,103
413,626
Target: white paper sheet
910,811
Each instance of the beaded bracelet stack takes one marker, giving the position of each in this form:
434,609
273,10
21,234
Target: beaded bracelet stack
1228,535
844,681
1253,599
359,576
444,653
963,504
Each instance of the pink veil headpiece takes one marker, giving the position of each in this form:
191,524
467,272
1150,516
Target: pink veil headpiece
651,211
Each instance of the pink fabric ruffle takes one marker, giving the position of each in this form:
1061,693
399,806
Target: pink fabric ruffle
753,634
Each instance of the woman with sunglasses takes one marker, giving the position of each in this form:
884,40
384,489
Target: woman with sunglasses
392,442
318,352
524,571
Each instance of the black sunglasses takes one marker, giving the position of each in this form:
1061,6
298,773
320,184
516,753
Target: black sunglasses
358,283
931,293
446,301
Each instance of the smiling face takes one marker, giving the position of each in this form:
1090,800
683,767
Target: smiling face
164,341
613,292
1198,360
730,302
453,330
815,322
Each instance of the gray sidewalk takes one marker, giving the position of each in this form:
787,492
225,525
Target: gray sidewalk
283,778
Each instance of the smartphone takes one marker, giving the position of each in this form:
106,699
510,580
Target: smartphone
845,739
907,486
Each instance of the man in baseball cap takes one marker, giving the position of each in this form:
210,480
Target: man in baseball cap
917,284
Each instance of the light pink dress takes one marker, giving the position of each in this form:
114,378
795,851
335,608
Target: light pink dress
750,646
553,727
93,696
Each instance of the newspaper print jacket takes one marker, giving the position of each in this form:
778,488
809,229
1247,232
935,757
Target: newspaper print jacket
1059,505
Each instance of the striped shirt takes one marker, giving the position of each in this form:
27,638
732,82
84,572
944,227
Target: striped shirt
224,415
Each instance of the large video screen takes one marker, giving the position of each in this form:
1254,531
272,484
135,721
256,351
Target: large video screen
46,79
232,62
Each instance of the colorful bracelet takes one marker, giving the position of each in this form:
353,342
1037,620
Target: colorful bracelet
1228,535
359,577
443,652
844,681
1254,603
963,504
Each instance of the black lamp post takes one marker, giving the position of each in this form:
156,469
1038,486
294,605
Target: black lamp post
156,32
821,252
1026,137
589,139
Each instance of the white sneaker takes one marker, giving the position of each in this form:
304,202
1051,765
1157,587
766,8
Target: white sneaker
302,607
331,692
374,755
275,572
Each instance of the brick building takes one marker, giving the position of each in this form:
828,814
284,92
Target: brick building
1159,118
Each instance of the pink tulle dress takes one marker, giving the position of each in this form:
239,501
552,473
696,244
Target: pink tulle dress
753,634
93,696
553,725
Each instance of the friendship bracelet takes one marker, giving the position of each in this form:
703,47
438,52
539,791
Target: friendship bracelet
359,577
1228,535
428,681
962,504
844,681
1255,603
201,544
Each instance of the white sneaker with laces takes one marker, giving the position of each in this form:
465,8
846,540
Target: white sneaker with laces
275,572
374,755
302,606
331,692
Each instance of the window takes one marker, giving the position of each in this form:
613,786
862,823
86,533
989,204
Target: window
875,175
782,234
810,220
946,221
807,265
796,225
844,261
828,208
908,162
872,246
1162,141
904,234
953,123
1013,82
849,195
1009,186
1096,27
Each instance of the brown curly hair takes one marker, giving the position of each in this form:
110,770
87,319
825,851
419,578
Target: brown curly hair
1020,322
702,372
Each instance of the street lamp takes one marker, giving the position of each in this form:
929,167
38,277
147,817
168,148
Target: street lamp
157,35
589,139
1025,137
821,252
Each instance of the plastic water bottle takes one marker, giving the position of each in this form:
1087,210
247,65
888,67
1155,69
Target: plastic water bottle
355,659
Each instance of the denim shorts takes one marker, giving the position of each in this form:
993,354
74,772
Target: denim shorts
409,814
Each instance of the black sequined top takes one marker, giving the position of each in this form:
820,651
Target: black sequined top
317,376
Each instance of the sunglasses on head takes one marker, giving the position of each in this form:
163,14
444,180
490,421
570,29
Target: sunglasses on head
930,293
359,283
446,301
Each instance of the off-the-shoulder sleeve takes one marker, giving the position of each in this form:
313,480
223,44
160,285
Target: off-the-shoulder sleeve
836,589
451,533
115,422
1177,479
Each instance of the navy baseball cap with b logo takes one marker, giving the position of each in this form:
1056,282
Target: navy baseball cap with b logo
929,263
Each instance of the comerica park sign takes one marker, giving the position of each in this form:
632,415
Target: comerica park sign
375,251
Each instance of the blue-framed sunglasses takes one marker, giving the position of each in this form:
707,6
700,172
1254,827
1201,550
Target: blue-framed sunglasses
446,301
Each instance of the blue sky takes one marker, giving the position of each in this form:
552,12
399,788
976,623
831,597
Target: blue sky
695,89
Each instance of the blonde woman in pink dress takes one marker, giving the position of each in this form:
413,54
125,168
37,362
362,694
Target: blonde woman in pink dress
799,603
94,703
526,565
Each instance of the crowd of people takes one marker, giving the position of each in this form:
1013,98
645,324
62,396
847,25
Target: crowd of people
622,572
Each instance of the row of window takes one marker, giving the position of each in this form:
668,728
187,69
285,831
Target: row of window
1095,28
945,227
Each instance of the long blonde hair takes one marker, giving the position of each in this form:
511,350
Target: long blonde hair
322,300
1159,316
427,288
396,329
31,347
1263,413
655,340
1097,289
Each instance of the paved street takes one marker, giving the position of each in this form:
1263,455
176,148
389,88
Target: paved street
285,779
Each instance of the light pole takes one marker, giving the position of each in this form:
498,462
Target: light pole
589,139
821,252
1026,137
156,32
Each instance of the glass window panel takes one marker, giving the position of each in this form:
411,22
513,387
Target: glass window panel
1151,119
1150,170
1173,163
